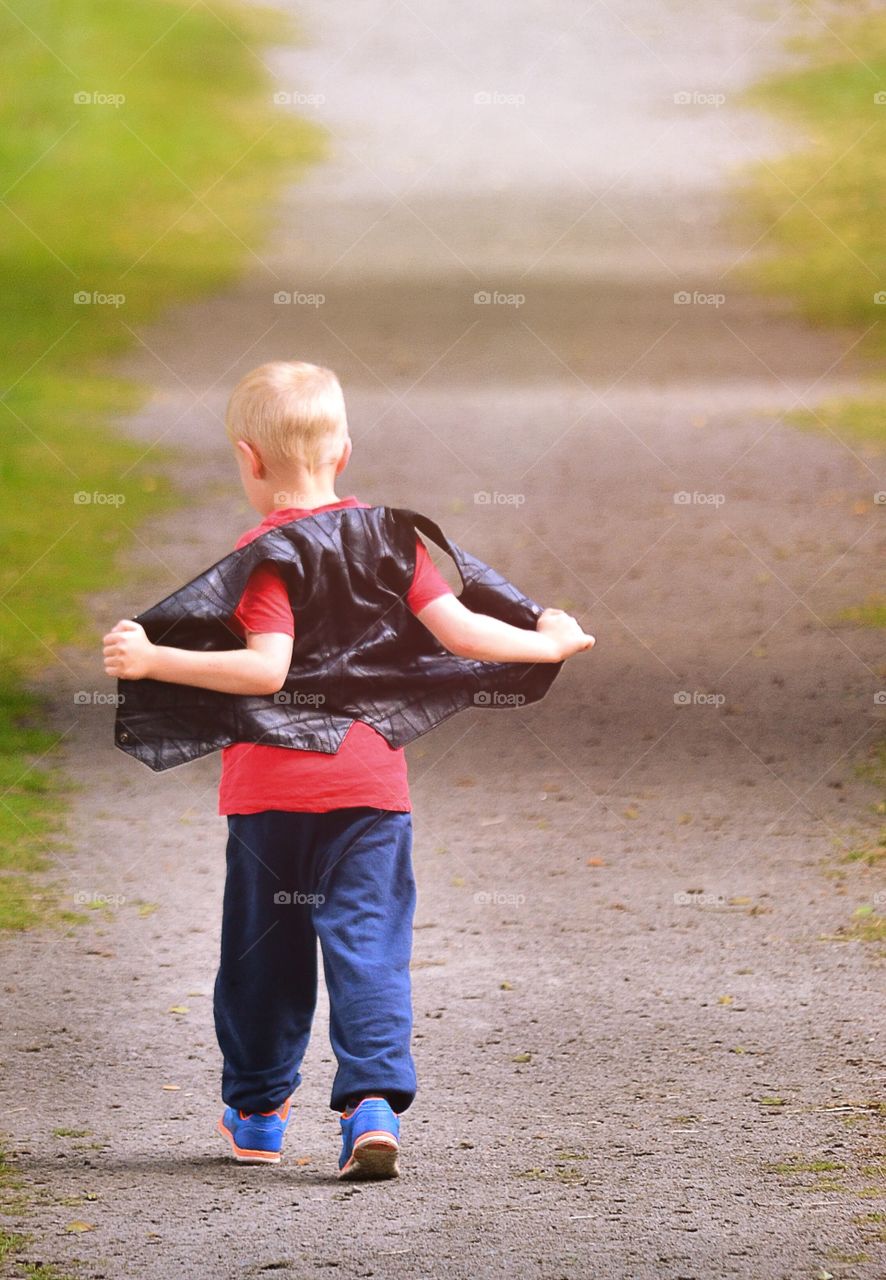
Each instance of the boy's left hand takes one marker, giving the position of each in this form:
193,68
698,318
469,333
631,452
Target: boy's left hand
127,651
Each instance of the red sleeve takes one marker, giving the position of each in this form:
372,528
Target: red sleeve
427,582
265,605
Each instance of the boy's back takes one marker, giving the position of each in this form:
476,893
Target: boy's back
365,770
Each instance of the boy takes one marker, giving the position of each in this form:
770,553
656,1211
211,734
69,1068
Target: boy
319,844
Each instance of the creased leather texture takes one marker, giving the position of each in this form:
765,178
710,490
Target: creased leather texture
359,652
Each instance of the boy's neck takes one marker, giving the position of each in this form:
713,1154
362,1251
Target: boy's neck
300,494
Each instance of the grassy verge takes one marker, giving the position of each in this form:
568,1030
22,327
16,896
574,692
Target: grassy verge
139,148
816,215
817,211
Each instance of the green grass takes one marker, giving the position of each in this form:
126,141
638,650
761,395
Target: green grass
10,1241
867,925
819,207
799,1165
815,217
816,213
872,613
861,422
155,199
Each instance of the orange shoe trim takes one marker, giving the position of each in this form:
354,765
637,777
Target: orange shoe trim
270,1157
375,1137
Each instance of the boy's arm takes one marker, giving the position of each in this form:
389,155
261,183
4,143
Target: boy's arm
477,635
261,667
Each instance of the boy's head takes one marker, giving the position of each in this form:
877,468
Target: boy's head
292,415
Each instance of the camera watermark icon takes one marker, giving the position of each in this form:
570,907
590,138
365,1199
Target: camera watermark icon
284,898
493,698
696,698
492,498
495,298
499,898
290,498
880,297
695,499
694,98
83,99
880,98
83,498
699,899
287,298
285,98
683,298
98,698
880,698
880,498
99,899
294,698
495,98
94,298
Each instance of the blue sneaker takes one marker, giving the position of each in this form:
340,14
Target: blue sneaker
370,1141
256,1137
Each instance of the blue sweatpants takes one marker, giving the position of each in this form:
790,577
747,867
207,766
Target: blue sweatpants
345,878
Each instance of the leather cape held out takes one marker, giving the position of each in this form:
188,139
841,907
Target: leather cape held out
359,652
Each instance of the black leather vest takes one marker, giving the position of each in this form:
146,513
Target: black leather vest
359,653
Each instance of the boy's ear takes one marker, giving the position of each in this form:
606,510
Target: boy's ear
252,458
344,457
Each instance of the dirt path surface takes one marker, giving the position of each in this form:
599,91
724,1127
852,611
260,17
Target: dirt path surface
627,940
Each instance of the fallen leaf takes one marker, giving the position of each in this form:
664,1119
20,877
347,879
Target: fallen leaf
631,812
178,1008
148,908
684,819
303,1160
739,902
171,1088
725,999
505,986
522,1057
738,1049
491,822
595,862
78,1225
457,882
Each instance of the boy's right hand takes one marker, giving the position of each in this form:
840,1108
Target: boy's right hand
564,632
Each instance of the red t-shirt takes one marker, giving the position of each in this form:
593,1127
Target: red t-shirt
365,770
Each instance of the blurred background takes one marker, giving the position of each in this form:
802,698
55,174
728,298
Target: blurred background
604,285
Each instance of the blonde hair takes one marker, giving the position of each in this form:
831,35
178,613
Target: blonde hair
291,411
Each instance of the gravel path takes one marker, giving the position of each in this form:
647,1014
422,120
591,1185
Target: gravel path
628,933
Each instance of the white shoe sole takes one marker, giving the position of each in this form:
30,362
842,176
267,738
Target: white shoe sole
375,1155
